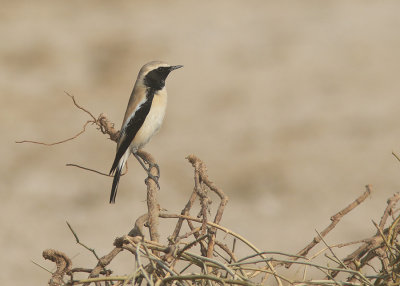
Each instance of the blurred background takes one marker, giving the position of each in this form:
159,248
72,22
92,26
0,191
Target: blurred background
293,106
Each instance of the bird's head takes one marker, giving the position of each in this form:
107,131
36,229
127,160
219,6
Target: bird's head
154,74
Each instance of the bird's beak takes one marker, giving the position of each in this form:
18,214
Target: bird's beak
175,67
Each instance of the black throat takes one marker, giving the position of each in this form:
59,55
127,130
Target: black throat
155,79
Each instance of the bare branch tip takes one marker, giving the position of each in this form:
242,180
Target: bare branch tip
396,156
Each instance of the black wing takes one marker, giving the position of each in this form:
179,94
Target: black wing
132,127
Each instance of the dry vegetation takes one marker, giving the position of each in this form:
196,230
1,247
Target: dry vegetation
199,252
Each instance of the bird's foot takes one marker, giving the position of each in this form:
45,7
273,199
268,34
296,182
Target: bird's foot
154,165
151,165
154,178
150,175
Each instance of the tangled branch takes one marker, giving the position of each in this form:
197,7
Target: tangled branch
200,255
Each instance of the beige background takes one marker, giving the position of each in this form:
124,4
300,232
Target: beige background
294,106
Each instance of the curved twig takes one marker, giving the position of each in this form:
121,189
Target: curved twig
79,106
59,142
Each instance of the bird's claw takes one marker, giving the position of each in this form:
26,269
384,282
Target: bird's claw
143,162
154,178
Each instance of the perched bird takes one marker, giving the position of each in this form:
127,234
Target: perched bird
144,115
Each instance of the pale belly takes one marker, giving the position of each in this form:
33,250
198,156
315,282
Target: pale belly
152,122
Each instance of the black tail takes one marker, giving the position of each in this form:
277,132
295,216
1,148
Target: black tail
114,188
114,165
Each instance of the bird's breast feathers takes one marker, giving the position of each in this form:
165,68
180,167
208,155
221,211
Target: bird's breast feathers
153,120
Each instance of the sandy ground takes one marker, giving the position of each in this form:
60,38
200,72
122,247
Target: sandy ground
292,105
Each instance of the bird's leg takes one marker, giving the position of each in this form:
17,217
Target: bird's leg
140,161
151,165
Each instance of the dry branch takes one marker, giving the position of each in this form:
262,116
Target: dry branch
240,271
62,262
200,178
335,220
370,248
389,209
196,257
152,198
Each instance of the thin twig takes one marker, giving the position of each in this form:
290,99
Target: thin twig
88,270
95,171
94,121
331,251
58,142
40,266
397,157
189,245
79,106
80,243
186,235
